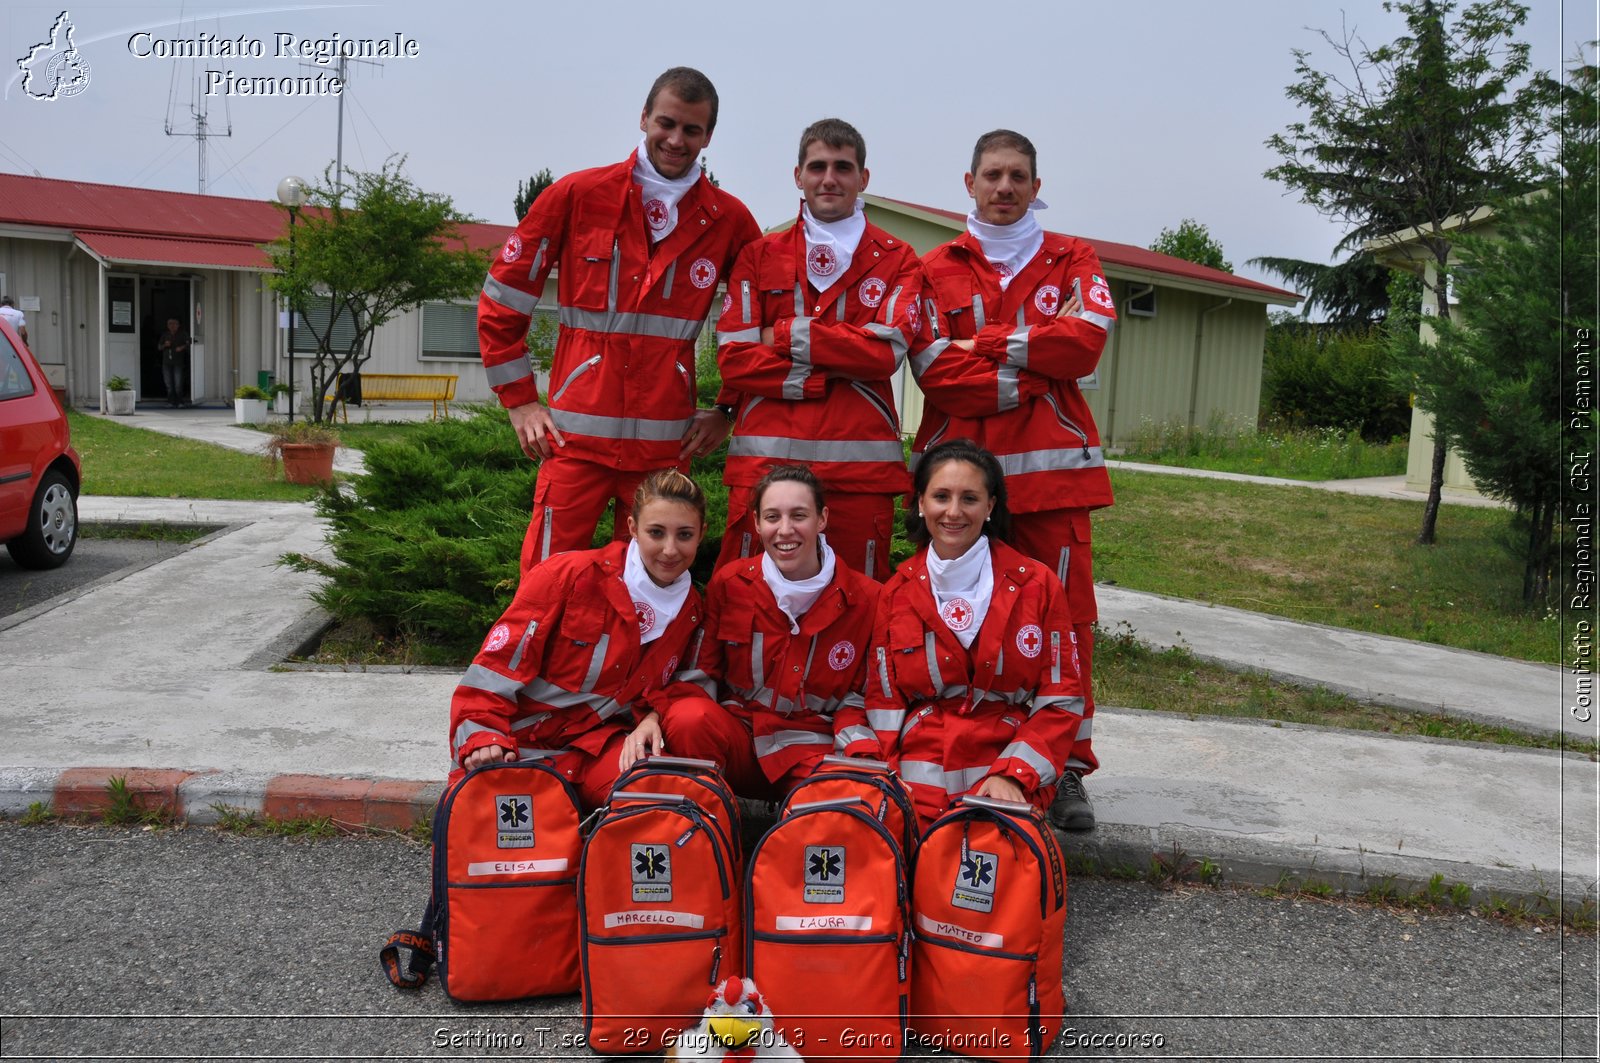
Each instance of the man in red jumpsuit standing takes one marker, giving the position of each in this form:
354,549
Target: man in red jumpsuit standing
1017,315
816,322
640,245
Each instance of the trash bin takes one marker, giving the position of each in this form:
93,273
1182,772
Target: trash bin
264,380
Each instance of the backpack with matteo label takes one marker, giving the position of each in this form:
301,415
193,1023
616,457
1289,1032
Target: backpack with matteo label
659,906
827,930
989,899
502,920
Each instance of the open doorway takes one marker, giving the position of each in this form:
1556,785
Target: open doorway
160,299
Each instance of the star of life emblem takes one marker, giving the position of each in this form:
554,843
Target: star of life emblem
656,215
842,655
1030,640
1047,299
822,261
872,291
513,820
824,874
650,864
976,873
646,615
513,249
957,614
703,274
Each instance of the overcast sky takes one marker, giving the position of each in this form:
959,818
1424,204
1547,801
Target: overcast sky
1143,113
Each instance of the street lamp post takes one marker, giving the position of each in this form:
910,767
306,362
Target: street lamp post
292,194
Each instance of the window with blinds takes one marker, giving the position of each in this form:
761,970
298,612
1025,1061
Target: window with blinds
314,321
450,331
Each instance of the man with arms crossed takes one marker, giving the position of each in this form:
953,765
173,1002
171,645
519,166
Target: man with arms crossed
816,321
1016,316
640,246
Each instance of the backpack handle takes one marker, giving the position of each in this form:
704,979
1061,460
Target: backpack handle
834,760
683,762
1015,808
837,802
649,797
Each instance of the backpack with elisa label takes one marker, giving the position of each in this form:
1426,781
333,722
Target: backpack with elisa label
872,781
502,921
989,900
659,906
699,780
827,930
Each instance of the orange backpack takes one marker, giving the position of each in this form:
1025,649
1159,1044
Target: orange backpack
989,897
659,906
699,780
503,916
827,931
872,781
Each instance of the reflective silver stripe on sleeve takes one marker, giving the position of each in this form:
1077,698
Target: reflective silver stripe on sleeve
886,719
530,721
1085,728
977,312
609,708
1017,347
749,335
1097,319
509,297
508,372
929,649
927,773
839,450
477,677
766,745
758,670
597,663
744,298
794,386
613,323
883,671
1009,395
853,733
1072,705
894,297
522,643
1022,316
547,693
925,357
1049,460
591,424
1026,753
529,753
465,730
666,285
538,258
895,338
1055,656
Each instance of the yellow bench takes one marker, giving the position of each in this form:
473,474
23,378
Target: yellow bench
437,388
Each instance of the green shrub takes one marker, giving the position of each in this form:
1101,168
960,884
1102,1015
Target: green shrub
1314,377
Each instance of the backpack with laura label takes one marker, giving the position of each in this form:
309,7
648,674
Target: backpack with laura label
871,780
989,900
502,920
827,931
659,906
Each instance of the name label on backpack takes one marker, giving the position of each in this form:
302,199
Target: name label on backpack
960,933
823,922
689,919
517,867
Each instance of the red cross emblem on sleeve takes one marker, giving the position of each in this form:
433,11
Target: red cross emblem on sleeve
703,274
1030,640
1048,299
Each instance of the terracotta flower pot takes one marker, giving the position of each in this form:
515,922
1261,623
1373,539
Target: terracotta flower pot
307,463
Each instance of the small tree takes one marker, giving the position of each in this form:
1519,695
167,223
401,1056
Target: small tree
528,191
391,248
1417,131
1192,242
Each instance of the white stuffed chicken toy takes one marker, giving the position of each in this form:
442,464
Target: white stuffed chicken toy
737,1025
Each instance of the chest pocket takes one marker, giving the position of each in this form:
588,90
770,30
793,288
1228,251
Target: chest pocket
593,264
913,656
575,654
954,294
741,644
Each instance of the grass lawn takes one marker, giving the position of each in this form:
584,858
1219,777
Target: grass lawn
363,434
1294,454
1321,556
121,460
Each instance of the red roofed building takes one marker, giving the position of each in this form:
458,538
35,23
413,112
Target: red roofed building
1187,346
98,269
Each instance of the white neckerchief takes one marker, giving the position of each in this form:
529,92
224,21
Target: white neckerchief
796,597
962,588
1009,247
830,245
655,606
660,195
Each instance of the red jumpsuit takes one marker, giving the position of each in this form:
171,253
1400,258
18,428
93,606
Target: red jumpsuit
760,699
562,669
948,716
622,386
1016,393
819,395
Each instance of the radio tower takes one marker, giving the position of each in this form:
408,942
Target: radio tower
198,110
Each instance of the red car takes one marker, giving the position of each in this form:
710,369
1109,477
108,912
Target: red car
39,471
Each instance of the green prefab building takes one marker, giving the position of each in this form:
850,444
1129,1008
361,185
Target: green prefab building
1186,349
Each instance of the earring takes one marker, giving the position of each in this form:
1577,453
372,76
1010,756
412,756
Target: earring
987,519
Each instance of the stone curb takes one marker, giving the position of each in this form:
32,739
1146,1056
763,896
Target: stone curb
206,797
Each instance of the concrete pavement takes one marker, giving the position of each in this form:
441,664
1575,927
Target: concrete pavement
169,676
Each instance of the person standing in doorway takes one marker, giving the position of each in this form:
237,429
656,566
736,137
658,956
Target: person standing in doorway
174,348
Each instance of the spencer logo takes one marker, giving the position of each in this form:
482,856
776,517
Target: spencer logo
54,69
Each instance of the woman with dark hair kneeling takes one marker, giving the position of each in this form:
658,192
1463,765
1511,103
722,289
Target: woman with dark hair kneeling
576,667
775,672
973,682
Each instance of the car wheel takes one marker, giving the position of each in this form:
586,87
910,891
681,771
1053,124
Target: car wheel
52,529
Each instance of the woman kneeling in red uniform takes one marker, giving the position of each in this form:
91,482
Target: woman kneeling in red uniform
973,683
576,667
777,666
